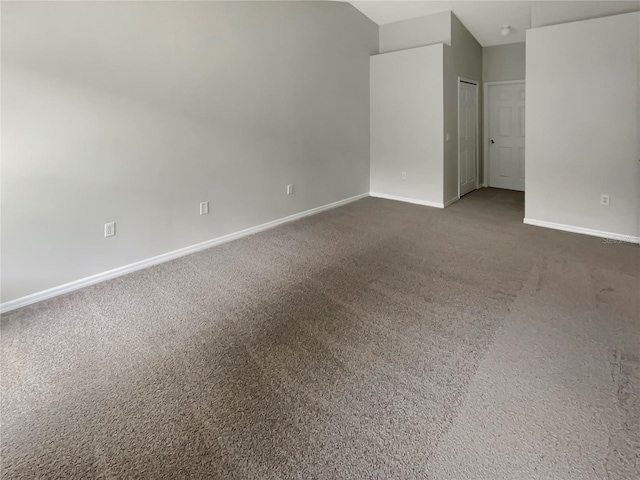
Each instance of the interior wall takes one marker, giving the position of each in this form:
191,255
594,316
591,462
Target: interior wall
504,62
582,124
563,11
135,112
466,61
450,160
416,32
462,57
406,123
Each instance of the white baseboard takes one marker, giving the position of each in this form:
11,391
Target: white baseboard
407,200
165,257
453,200
584,231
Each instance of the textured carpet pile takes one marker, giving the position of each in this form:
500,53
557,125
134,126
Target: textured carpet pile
376,340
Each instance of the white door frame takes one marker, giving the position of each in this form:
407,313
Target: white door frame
486,160
477,84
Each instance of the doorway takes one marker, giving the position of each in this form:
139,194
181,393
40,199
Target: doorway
467,135
505,135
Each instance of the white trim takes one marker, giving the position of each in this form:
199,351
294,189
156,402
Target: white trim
450,201
407,200
582,230
165,257
485,126
477,84
505,82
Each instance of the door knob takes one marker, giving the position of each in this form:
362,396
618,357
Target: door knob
492,141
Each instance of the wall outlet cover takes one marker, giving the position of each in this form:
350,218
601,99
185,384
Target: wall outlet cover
109,229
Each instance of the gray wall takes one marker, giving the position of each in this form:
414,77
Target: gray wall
416,32
582,124
562,11
406,123
504,62
135,112
465,61
462,58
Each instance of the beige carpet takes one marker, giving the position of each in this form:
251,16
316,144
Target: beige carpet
377,340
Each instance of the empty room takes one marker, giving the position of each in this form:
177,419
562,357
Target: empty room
320,240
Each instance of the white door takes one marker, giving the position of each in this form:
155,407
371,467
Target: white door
506,136
468,136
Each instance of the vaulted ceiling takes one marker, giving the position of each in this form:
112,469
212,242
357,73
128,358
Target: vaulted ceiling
484,19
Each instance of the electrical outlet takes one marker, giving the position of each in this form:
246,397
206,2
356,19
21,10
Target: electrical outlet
404,175
604,200
290,189
109,229
204,208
